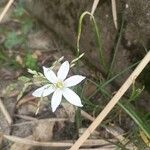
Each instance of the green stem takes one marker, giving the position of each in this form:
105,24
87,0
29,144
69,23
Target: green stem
115,50
130,110
101,56
113,78
78,120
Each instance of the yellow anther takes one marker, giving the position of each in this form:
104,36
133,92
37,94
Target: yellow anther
59,85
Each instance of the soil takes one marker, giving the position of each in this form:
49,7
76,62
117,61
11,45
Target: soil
56,36
134,38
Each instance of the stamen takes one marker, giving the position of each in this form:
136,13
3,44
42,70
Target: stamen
59,85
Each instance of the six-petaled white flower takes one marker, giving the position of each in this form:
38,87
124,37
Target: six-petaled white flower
60,86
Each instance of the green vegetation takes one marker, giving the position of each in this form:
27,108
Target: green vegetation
127,105
16,42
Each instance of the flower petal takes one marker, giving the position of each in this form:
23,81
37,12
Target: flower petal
50,75
56,99
63,71
72,97
73,80
43,91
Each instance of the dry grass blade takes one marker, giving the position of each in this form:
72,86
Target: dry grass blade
5,112
16,146
6,9
95,3
111,147
68,143
118,136
40,120
122,140
24,100
114,13
112,102
36,143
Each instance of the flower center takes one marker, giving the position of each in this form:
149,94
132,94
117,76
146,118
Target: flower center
59,85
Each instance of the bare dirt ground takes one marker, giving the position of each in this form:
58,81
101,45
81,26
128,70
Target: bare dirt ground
55,36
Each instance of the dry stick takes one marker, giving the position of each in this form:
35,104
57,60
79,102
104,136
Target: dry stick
25,117
6,9
95,3
114,12
112,102
5,112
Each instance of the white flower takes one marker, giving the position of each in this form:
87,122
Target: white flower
60,86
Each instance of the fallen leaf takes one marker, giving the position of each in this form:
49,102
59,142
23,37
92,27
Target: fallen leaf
43,131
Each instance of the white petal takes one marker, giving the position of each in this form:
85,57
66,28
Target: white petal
56,99
73,80
43,91
72,97
63,71
50,75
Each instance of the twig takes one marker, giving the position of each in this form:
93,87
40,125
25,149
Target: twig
87,116
114,13
6,9
95,3
112,102
24,100
5,112
25,117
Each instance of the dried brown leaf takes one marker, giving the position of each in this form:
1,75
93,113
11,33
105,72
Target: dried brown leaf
43,131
